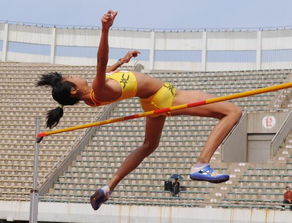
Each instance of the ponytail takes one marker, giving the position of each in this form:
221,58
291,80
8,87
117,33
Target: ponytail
50,79
54,116
61,92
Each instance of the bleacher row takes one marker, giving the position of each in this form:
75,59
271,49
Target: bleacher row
181,142
21,102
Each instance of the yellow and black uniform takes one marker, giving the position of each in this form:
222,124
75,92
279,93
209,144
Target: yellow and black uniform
163,98
128,83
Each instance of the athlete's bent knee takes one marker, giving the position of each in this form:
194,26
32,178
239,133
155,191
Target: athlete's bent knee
233,111
236,112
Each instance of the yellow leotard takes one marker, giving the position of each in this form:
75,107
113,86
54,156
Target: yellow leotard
128,83
163,98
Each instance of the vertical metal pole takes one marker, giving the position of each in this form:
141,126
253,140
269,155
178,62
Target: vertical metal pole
33,215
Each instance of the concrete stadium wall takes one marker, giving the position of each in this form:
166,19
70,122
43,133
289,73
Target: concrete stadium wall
69,212
256,132
161,50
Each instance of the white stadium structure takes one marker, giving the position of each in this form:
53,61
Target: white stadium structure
257,153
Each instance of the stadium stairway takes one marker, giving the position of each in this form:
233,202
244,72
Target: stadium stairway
283,100
261,185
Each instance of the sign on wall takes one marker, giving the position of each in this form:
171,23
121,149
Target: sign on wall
269,121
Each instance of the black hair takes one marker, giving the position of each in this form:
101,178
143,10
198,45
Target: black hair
61,92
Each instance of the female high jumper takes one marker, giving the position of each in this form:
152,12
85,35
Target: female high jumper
153,94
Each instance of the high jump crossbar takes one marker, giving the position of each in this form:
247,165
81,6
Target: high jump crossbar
40,135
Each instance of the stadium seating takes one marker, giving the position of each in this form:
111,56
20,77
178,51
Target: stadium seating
263,183
21,102
181,143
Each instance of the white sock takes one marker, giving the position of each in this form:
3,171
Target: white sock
198,166
106,190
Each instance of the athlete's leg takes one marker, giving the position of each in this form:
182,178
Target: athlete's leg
227,113
153,132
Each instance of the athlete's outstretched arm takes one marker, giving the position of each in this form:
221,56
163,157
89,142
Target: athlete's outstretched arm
123,60
102,54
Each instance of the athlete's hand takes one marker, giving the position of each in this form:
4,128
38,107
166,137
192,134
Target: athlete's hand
108,19
130,55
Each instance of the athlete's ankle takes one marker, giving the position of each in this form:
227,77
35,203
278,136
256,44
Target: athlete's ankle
197,166
106,190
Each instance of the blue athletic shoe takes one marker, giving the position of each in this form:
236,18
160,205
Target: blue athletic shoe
98,198
208,174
